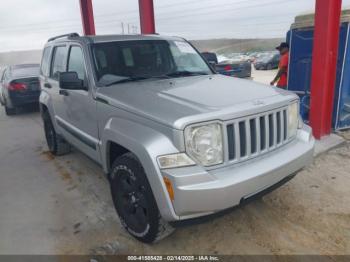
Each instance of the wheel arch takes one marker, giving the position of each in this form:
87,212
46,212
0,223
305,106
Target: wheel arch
120,136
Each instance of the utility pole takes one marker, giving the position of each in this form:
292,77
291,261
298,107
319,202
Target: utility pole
122,28
324,65
147,17
87,17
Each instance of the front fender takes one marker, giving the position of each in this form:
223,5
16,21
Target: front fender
147,144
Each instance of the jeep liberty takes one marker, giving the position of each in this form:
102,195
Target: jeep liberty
176,140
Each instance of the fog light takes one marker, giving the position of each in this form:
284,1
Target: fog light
174,161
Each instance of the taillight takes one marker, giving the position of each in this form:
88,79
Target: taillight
17,86
227,68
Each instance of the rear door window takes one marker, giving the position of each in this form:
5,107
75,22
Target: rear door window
44,69
58,61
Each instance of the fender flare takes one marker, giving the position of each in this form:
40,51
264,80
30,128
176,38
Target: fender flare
147,144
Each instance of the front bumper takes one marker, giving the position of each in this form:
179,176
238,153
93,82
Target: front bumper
200,192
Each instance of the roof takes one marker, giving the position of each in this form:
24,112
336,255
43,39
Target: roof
19,66
110,38
305,20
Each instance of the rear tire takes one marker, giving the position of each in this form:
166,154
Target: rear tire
10,111
269,67
134,201
56,144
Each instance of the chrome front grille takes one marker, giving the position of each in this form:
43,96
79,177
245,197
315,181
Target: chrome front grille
255,135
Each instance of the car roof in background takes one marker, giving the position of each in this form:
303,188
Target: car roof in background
23,66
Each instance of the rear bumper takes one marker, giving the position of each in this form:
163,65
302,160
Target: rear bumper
19,99
199,192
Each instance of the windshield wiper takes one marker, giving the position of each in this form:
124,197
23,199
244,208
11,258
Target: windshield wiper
185,73
165,76
128,79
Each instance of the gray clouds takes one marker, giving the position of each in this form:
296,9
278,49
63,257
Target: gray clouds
27,24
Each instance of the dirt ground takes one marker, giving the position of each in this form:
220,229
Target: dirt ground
62,205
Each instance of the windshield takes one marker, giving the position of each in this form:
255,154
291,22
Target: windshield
142,59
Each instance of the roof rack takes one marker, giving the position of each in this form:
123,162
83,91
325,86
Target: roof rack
65,35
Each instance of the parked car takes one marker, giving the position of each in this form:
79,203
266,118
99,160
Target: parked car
19,86
253,56
210,57
229,67
240,69
175,140
267,61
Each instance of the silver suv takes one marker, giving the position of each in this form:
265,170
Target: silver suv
176,140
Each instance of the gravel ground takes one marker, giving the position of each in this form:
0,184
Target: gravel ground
62,205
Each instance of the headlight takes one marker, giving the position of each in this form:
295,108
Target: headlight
204,143
293,119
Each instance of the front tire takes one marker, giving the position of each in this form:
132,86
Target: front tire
56,144
134,201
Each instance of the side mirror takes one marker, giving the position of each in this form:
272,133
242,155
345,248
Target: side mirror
70,81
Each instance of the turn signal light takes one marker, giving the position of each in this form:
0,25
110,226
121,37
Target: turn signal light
169,188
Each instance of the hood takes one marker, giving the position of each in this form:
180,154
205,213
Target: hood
170,100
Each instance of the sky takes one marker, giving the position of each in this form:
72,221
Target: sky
27,24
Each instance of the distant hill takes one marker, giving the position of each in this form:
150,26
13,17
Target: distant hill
20,57
227,46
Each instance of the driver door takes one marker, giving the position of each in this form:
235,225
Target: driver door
80,107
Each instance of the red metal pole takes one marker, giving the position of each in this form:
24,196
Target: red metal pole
324,65
87,17
147,17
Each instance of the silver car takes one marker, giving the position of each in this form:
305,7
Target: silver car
176,140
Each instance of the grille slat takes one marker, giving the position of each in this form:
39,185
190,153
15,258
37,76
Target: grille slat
248,138
237,144
271,130
279,127
253,136
267,132
274,129
285,133
258,135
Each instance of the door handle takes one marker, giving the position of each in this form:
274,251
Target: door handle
47,85
63,92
